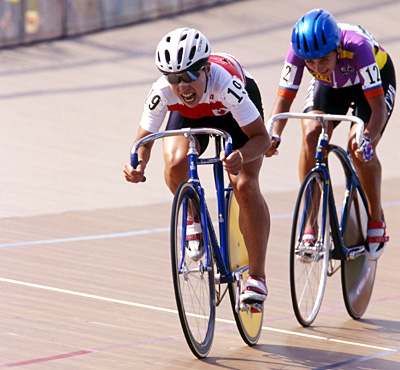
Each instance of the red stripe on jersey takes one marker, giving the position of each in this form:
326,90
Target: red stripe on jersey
287,93
229,63
200,110
374,92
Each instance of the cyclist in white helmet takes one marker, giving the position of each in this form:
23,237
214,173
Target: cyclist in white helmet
201,89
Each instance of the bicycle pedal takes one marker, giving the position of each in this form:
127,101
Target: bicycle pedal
253,308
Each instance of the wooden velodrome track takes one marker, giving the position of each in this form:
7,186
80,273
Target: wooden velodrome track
85,278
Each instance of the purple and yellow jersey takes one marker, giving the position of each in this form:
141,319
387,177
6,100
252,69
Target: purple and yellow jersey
360,62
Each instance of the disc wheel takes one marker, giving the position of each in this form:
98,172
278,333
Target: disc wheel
358,275
249,324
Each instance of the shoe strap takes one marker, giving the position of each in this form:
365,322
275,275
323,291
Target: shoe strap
190,237
376,225
256,284
191,221
377,239
309,230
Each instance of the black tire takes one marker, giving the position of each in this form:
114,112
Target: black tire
193,280
358,275
309,265
249,324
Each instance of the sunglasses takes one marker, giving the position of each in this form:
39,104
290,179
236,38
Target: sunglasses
187,77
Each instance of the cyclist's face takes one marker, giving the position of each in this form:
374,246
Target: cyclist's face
323,66
191,93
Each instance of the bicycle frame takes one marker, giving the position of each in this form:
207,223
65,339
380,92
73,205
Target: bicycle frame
323,149
352,184
220,250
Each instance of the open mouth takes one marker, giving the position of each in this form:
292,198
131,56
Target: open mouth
189,98
325,73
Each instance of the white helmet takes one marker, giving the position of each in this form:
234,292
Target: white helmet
182,49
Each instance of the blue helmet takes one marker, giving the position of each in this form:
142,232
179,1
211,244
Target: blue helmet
315,35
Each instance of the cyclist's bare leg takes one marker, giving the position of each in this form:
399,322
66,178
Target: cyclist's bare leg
311,130
370,176
254,219
176,163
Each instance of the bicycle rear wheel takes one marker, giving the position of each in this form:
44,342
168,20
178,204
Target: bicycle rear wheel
309,263
193,280
358,276
249,324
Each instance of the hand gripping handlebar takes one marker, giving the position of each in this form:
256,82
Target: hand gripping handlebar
188,132
323,118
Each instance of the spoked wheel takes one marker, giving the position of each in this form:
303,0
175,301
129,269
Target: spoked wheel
309,259
358,275
249,324
193,280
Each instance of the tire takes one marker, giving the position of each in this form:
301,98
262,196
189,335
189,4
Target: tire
193,280
309,267
249,324
358,276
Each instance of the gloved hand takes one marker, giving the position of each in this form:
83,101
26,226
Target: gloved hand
366,148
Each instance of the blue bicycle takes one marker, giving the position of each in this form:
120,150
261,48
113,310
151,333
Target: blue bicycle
201,284
312,262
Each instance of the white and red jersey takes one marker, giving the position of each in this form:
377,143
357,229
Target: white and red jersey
225,92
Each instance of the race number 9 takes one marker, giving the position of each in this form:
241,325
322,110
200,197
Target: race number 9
155,100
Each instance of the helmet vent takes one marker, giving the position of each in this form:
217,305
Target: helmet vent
167,56
316,47
192,52
168,39
305,44
324,38
180,54
183,37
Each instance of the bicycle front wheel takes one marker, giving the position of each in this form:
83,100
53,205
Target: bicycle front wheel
309,259
358,275
249,324
193,279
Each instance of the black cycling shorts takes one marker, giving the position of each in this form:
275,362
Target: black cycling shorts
338,101
226,122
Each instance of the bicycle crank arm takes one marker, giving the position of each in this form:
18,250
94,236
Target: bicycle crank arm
253,308
355,252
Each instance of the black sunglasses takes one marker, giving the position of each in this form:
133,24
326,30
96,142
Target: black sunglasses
186,76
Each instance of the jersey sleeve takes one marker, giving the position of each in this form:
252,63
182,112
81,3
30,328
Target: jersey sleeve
368,71
236,99
155,109
291,75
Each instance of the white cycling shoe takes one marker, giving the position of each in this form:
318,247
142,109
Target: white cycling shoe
194,240
376,240
254,291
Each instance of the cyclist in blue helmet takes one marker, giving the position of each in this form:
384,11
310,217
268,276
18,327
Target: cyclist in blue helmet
349,70
315,35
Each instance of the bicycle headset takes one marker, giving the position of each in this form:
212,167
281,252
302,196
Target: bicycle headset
315,35
181,50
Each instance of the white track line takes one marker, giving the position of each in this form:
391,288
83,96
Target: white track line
138,232
112,300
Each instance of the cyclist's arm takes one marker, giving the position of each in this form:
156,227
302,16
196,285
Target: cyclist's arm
378,117
255,147
137,175
282,105
374,126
